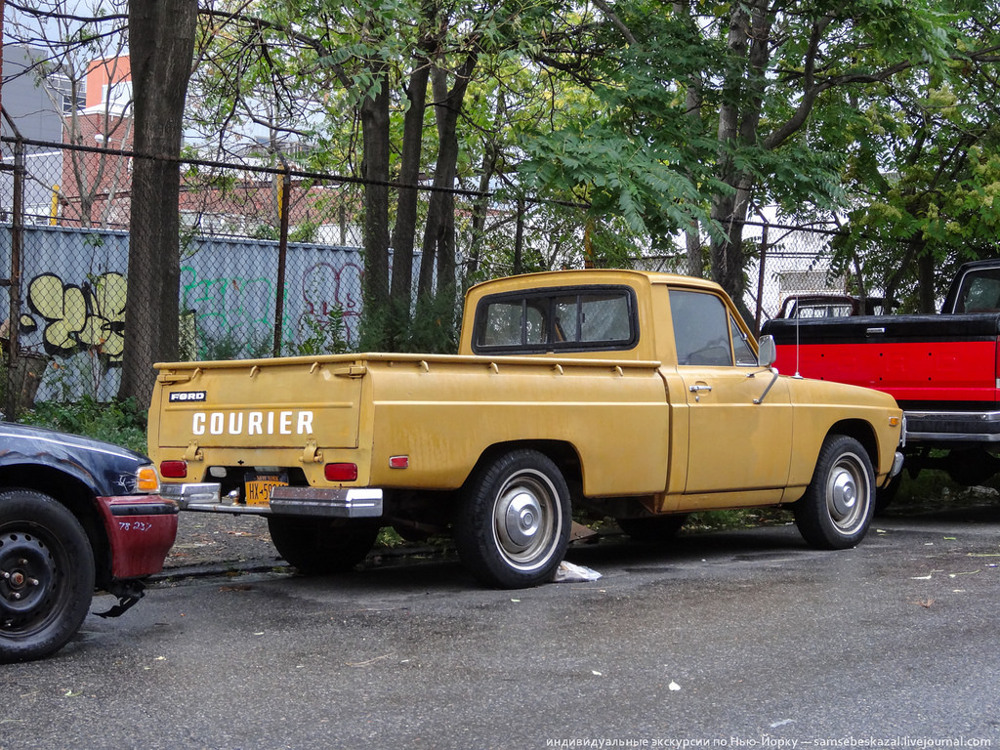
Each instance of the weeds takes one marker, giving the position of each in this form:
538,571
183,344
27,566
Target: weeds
119,422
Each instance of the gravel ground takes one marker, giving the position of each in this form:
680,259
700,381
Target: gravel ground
221,539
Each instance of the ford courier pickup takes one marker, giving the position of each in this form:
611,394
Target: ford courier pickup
640,396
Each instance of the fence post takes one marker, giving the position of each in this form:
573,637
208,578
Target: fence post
519,236
12,405
279,297
760,280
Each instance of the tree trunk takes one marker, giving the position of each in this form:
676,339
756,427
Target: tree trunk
405,229
748,44
439,234
375,171
161,36
926,273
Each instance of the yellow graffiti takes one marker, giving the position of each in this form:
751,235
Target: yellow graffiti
91,317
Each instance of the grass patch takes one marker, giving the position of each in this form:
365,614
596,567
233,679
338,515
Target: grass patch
119,422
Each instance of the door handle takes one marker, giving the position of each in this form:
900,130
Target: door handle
699,387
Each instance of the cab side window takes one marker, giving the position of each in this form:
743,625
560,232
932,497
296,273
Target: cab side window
701,328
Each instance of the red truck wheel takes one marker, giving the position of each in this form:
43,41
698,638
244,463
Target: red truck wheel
513,522
46,575
317,546
838,505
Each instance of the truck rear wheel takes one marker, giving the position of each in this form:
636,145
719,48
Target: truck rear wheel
838,505
46,575
318,546
513,522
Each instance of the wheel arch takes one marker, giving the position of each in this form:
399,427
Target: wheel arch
562,453
75,495
864,433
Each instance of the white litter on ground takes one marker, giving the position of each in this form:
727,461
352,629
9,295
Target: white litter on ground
568,572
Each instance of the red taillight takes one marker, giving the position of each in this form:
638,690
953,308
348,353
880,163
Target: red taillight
173,469
340,472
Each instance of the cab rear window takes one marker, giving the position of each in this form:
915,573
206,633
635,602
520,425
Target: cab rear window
598,318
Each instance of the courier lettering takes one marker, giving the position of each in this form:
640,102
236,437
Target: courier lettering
252,423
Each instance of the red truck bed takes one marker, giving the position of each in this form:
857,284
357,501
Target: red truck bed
926,362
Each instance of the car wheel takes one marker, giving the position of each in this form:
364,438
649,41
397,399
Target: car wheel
513,521
320,546
652,529
838,505
46,575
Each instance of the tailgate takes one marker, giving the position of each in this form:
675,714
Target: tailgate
277,403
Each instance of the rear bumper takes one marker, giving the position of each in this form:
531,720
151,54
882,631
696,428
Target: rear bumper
953,426
141,530
353,502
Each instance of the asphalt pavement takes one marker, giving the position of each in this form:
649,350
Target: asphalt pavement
737,639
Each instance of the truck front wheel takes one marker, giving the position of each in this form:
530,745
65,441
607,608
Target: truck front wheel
513,522
318,546
838,505
46,575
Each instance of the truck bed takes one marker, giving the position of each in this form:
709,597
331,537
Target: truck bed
926,362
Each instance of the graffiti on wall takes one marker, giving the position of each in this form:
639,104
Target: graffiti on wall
233,308
74,305
75,318
325,288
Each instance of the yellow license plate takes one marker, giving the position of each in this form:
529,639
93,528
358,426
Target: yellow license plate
257,491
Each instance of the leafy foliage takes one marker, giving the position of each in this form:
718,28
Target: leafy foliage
118,422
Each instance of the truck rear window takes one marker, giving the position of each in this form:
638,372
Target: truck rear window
980,292
558,319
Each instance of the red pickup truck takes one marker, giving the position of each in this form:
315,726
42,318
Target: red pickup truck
943,370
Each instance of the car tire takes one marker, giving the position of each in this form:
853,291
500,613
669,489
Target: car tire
513,522
838,505
46,575
316,546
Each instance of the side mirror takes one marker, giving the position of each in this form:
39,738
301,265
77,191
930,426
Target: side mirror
766,351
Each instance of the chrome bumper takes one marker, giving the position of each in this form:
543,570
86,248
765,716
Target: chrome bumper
354,502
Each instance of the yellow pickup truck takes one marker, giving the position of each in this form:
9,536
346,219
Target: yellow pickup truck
640,396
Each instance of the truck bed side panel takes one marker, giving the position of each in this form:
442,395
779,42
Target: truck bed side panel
918,359
444,418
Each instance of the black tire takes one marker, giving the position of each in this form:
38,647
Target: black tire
513,521
46,575
318,546
839,503
652,529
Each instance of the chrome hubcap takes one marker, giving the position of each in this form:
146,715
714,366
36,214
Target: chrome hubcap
847,493
526,519
844,494
522,519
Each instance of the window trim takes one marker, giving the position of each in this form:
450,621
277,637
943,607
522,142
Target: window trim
550,295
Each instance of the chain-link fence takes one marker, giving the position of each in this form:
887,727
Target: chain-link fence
257,280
